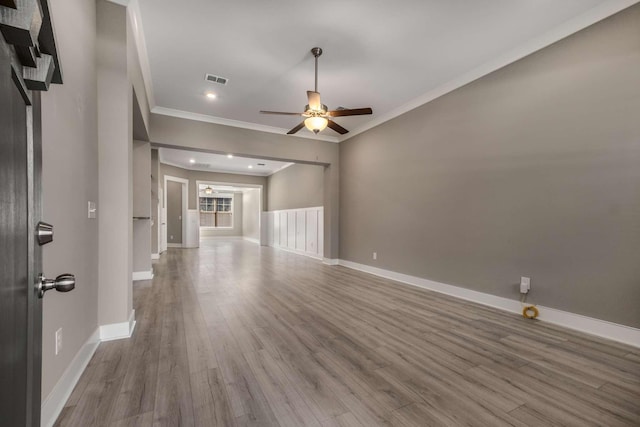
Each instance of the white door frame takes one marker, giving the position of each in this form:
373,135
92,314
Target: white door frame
185,204
233,184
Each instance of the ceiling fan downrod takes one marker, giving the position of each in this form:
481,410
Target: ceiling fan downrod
316,51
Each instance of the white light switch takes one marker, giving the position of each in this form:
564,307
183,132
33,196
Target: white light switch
91,210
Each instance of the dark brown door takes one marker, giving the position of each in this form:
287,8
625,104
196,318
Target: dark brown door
27,59
20,308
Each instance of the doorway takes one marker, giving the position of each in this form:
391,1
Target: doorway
227,209
174,224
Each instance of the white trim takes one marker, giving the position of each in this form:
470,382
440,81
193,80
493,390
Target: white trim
124,3
54,403
237,123
143,55
330,261
572,26
142,275
250,239
314,208
174,245
155,256
601,328
298,252
116,331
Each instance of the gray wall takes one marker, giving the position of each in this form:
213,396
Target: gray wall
251,214
155,179
141,205
184,133
115,144
174,212
298,186
69,181
194,176
532,170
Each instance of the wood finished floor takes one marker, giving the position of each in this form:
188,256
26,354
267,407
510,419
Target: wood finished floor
235,334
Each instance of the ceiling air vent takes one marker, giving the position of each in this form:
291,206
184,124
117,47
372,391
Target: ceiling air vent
201,165
216,79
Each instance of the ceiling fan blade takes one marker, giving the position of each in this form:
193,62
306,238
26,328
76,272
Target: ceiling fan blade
314,100
296,129
333,125
281,113
350,112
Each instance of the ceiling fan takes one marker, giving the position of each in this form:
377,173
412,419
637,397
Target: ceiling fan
318,116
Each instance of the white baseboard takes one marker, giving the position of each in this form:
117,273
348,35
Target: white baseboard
330,261
174,245
296,251
155,256
54,403
252,240
142,275
601,328
116,331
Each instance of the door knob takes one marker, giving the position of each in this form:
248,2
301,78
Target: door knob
63,283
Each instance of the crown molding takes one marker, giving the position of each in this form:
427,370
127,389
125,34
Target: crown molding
124,3
572,26
235,123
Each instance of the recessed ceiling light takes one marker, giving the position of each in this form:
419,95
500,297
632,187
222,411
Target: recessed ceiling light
192,160
230,156
211,95
250,166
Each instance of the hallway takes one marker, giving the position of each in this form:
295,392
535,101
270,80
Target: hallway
237,334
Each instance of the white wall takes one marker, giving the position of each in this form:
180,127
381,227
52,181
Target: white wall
296,230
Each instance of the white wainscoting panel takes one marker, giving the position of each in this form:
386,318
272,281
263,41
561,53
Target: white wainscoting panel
301,231
291,229
282,218
296,230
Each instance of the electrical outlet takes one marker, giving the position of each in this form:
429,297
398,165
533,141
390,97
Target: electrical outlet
525,285
58,341
375,255
171,237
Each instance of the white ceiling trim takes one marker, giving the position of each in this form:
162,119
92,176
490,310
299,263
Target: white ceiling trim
120,2
570,27
235,123
141,45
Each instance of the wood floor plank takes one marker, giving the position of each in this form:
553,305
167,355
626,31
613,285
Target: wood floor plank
234,334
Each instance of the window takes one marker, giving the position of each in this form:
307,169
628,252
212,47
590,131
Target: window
216,212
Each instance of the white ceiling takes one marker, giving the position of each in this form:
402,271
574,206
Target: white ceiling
210,162
390,56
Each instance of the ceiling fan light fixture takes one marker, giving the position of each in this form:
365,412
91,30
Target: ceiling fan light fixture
316,124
